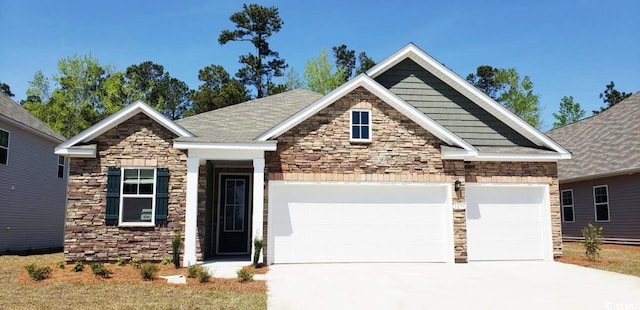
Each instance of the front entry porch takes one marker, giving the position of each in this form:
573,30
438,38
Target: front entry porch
224,205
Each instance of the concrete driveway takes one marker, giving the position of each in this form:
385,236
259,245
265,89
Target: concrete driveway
486,285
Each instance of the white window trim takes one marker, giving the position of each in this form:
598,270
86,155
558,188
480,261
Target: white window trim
595,205
351,125
152,196
63,166
7,147
562,206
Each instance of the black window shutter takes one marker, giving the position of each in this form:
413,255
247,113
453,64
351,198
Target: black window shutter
113,196
162,196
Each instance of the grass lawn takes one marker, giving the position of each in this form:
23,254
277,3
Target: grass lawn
617,258
124,290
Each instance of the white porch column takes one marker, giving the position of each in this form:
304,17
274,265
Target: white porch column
191,214
258,201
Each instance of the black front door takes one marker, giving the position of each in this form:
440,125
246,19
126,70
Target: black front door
233,214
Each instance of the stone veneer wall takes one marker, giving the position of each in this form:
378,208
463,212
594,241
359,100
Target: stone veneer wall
137,142
318,149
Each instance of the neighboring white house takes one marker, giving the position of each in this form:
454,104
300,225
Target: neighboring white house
33,182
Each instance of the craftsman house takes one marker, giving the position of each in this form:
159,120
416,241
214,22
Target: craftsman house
406,163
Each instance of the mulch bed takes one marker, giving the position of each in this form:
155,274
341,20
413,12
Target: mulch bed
127,275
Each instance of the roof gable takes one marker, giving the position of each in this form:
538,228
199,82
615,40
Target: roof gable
448,77
372,86
447,106
74,145
605,144
19,116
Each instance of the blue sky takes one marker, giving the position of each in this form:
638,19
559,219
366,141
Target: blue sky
571,48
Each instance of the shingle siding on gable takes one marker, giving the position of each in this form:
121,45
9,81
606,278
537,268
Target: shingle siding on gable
448,107
32,197
624,207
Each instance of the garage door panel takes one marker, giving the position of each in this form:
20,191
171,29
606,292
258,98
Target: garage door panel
505,222
314,223
514,250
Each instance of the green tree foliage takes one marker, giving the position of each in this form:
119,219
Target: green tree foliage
592,241
321,76
518,96
293,80
509,89
218,90
345,59
485,80
570,112
364,63
150,83
86,92
174,101
5,89
75,103
611,97
38,87
144,82
256,24
115,94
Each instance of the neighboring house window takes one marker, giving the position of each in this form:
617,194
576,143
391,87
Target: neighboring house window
137,196
567,205
361,125
601,203
4,146
60,166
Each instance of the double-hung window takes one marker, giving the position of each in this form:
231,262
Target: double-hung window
361,125
137,200
601,203
567,205
4,147
137,196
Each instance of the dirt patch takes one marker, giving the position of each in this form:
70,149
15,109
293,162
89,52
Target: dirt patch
127,275
260,270
583,261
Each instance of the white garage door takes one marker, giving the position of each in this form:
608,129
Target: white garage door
508,222
331,222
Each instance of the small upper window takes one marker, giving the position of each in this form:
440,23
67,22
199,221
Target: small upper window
60,166
601,203
138,199
4,146
567,205
360,125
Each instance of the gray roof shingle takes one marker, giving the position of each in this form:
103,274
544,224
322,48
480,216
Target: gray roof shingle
17,113
607,143
242,123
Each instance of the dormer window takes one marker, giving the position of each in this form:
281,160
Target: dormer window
361,125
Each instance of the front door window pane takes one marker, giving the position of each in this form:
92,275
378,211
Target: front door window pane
234,205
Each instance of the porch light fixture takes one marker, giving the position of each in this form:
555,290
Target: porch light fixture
456,185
